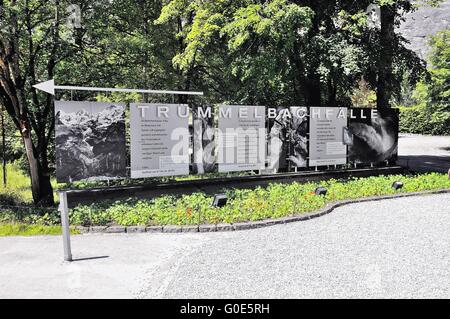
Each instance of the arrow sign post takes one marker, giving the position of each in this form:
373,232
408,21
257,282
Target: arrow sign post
50,88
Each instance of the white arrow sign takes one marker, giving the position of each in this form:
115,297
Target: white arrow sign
50,87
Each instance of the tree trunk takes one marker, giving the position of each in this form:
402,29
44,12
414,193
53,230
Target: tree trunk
14,79
331,93
385,62
3,146
314,93
40,182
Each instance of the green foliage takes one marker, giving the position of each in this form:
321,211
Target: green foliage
13,142
29,215
364,96
439,84
414,120
31,230
418,120
281,52
431,114
17,190
119,45
275,201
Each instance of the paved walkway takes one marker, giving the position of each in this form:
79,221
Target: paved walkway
393,248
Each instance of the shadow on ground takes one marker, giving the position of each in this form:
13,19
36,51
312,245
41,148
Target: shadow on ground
425,163
89,258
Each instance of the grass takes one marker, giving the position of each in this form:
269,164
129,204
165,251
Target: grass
17,190
30,230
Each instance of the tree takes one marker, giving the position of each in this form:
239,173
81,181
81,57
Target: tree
386,56
282,52
120,46
430,112
30,48
388,83
438,86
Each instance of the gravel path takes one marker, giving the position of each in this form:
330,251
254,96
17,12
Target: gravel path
393,248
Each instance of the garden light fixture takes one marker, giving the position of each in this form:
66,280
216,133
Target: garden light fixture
220,200
397,185
321,191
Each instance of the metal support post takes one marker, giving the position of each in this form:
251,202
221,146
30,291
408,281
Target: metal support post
64,211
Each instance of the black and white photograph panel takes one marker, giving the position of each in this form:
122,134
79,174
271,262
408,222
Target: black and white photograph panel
298,155
90,141
375,136
204,144
278,141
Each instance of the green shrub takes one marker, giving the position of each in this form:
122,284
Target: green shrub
9,197
274,201
18,188
30,230
30,215
419,120
431,114
277,200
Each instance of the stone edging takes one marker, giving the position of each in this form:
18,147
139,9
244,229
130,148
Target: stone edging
246,225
